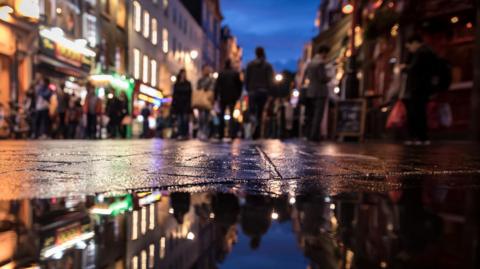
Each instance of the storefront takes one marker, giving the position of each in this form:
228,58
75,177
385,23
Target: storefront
63,60
146,96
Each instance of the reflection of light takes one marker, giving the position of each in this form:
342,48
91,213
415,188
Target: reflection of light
332,206
135,225
454,19
170,210
336,90
151,255
100,198
190,236
212,215
227,117
292,200
152,123
135,262
194,54
101,211
162,247
215,75
51,251
347,9
274,215
151,218
278,77
383,264
173,79
144,259
143,218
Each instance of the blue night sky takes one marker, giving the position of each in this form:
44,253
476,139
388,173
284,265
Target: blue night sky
281,26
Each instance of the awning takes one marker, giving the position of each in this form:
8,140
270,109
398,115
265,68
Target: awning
334,37
59,67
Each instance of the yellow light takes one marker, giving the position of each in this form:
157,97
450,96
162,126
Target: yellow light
59,10
194,54
394,30
347,9
236,113
454,19
274,215
190,236
6,9
278,77
173,79
215,75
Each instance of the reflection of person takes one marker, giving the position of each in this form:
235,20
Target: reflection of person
181,103
316,92
258,81
228,90
256,218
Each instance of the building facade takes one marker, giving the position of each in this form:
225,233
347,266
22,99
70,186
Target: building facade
230,50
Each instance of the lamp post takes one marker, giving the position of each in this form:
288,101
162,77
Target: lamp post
351,80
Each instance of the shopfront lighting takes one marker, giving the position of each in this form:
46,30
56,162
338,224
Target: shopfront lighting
292,200
57,35
194,54
5,12
454,19
59,11
332,206
296,93
347,9
236,113
215,75
190,236
278,77
173,79
60,248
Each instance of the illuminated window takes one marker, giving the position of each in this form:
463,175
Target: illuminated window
135,262
143,225
121,13
144,259
137,16
153,81
136,63
151,256
154,32
134,226
146,63
165,7
165,40
146,24
162,247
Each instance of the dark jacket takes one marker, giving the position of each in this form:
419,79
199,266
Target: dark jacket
182,97
419,74
318,79
259,76
228,88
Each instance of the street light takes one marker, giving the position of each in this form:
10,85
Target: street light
194,54
278,77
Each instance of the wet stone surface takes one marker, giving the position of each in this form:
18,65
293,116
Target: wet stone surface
267,204
61,168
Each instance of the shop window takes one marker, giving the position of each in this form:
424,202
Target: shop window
121,12
146,63
137,16
165,40
136,63
146,24
154,32
153,72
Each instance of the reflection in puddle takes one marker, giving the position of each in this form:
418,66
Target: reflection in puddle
413,228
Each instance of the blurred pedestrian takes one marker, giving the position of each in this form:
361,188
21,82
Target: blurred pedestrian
207,84
42,103
114,113
93,109
73,116
316,94
228,90
125,118
258,81
182,103
29,109
418,88
145,112
4,126
62,100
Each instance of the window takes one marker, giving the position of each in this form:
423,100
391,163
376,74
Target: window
137,16
145,68
121,14
146,24
165,40
136,63
153,71
154,32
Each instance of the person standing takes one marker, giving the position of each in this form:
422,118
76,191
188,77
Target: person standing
125,120
258,81
93,109
228,90
63,100
42,103
182,103
316,93
73,115
418,89
114,114
205,83
146,112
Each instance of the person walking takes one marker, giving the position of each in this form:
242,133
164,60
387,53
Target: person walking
316,93
182,103
125,119
42,103
228,90
113,111
418,89
62,105
258,81
207,84
93,109
145,112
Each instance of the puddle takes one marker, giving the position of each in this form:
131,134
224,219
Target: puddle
412,228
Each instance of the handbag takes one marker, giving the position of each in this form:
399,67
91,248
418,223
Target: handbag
398,116
202,99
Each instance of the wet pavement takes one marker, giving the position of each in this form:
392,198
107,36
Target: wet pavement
269,204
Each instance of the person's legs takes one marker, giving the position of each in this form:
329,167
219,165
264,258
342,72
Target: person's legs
259,103
421,127
411,119
316,124
231,122
221,117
